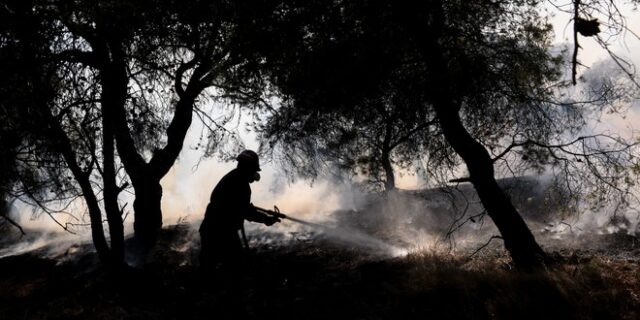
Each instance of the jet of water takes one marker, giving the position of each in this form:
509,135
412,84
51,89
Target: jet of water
352,237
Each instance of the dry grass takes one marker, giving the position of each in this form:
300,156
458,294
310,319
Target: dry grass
593,287
316,280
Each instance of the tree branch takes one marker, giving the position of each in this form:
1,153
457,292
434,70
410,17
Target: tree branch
484,245
88,58
12,222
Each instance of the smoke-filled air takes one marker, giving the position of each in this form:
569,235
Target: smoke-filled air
319,159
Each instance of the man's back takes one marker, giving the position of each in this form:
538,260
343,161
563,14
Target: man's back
229,203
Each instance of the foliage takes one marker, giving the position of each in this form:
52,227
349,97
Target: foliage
28,84
125,71
349,67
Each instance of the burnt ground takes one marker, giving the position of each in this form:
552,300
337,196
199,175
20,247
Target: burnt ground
314,279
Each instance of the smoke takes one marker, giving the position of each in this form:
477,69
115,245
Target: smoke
42,234
405,220
188,185
386,225
313,205
48,244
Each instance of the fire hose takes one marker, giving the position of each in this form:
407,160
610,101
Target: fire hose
350,236
277,214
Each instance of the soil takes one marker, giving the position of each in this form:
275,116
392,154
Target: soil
312,278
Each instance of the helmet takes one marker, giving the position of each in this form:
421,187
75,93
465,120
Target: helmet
249,158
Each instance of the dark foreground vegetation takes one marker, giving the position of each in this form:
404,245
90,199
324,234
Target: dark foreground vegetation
313,279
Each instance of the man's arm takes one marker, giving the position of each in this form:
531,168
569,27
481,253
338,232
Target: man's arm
253,215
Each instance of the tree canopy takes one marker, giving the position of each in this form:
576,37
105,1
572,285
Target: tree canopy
484,72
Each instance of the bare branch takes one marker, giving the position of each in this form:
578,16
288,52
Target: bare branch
12,222
485,245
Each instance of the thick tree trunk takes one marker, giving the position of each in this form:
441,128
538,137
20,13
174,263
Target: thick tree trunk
148,203
148,192
146,176
147,212
390,180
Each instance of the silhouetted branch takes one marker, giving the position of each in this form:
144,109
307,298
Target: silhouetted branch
12,222
237,93
563,147
178,85
78,56
49,212
485,245
411,132
619,62
576,45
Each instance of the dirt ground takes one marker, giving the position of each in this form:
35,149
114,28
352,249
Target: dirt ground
314,279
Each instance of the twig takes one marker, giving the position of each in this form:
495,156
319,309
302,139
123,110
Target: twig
12,222
576,45
485,245
570,226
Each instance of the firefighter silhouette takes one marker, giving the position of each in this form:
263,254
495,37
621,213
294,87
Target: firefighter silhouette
229,205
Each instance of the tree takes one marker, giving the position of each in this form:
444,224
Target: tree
367,140
486,72
147,58
186,46
120,82
55,130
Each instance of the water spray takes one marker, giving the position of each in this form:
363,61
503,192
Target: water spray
350,236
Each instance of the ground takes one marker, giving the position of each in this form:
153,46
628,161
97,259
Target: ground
315,279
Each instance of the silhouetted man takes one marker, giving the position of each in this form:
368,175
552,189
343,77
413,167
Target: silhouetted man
229,206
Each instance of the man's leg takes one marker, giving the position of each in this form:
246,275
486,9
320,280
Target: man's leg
232,274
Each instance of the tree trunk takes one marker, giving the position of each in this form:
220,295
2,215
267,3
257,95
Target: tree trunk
147,212
518,239
148,192
95,214
148,202
111,190
390,181
62,144
146,176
